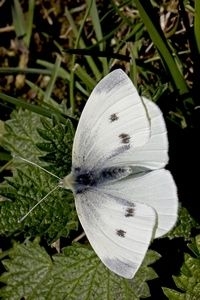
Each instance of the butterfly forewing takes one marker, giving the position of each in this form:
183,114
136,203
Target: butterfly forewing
113,121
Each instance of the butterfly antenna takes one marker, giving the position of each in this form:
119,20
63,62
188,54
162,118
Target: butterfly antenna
24,217
36,165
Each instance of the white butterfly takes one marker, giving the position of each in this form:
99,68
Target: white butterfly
124,198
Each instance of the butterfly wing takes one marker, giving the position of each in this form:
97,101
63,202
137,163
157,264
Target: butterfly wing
154,153
156,189
118,128
118,230
114,120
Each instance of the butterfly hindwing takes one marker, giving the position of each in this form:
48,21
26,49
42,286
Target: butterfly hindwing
120,231
156,189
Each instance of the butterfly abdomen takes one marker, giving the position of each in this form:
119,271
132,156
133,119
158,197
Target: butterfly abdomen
114,173
89,179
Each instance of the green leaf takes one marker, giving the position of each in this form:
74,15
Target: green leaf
54,217
195,246
184,226
76,273
29,135
189,279
21,134
57,144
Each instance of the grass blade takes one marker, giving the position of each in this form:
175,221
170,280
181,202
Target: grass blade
158,38
90,61
97,28
53,78
29,22
18,19
34,108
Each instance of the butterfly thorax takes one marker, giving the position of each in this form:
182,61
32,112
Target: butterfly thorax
81,179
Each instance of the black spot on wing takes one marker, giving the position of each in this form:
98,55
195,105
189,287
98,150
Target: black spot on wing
114,117
125,138
120,232
129,212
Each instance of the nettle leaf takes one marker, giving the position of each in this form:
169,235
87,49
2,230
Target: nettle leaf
76,273
40,139
54,217
184,226
189,280
57,144
21,135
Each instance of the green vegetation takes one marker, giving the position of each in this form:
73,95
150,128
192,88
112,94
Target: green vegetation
52,54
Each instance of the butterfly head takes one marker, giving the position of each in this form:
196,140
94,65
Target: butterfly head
68,182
